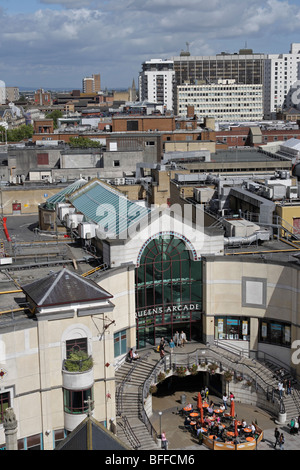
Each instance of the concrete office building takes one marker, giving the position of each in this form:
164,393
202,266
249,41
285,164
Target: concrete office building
91,84
245,67
225,100
12,94
278,74
280,81
2,92
156,82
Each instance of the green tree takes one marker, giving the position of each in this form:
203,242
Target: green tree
83,142
2,134
20,133
54,115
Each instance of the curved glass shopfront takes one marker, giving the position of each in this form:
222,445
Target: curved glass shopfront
168,292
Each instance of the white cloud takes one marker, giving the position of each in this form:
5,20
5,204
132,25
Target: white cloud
114,37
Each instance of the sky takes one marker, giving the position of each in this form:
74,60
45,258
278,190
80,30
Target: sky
55,43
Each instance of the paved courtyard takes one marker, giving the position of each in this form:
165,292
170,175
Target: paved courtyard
179,439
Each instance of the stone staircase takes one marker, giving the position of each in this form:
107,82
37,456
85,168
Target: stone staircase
292,401
129,378
265,375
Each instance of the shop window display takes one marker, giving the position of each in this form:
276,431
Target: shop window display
232,328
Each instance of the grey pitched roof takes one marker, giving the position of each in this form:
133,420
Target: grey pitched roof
64,287
91,435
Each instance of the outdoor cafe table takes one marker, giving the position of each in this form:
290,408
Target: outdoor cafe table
194,414
188,408
218,411
247,430
250,439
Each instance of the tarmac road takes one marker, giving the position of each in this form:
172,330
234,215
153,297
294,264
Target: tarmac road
20,227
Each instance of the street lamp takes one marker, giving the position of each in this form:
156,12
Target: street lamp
160,414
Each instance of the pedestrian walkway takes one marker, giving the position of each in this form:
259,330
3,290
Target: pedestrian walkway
170,402
179,439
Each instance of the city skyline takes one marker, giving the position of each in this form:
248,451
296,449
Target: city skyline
55,43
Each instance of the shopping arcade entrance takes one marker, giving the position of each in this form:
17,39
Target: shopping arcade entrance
168,291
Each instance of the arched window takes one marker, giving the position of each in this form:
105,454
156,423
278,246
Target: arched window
168,285
166,274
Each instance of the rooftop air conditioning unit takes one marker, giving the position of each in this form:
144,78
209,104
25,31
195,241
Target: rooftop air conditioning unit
86,230
292,192
119,181
72,220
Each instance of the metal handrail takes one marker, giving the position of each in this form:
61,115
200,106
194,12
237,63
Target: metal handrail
144,417
171,361
209,356
273,360
129,432
120,389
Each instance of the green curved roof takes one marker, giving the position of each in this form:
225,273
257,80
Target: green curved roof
61,195
107,207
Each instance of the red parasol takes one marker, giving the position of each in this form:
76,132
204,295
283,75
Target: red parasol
199,401
232,409
236,433
201,415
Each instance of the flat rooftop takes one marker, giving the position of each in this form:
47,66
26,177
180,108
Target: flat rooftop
248,155
34,256
272,251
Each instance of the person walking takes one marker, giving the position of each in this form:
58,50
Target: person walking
280,389
225,398
182,339
172,346
277,436
164,441
176,339
281,441
289,387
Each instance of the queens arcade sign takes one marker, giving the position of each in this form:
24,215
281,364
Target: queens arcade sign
170,309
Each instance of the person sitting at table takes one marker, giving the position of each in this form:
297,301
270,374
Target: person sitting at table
220,430
244,424
253,429
187,421
208,424
222,408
